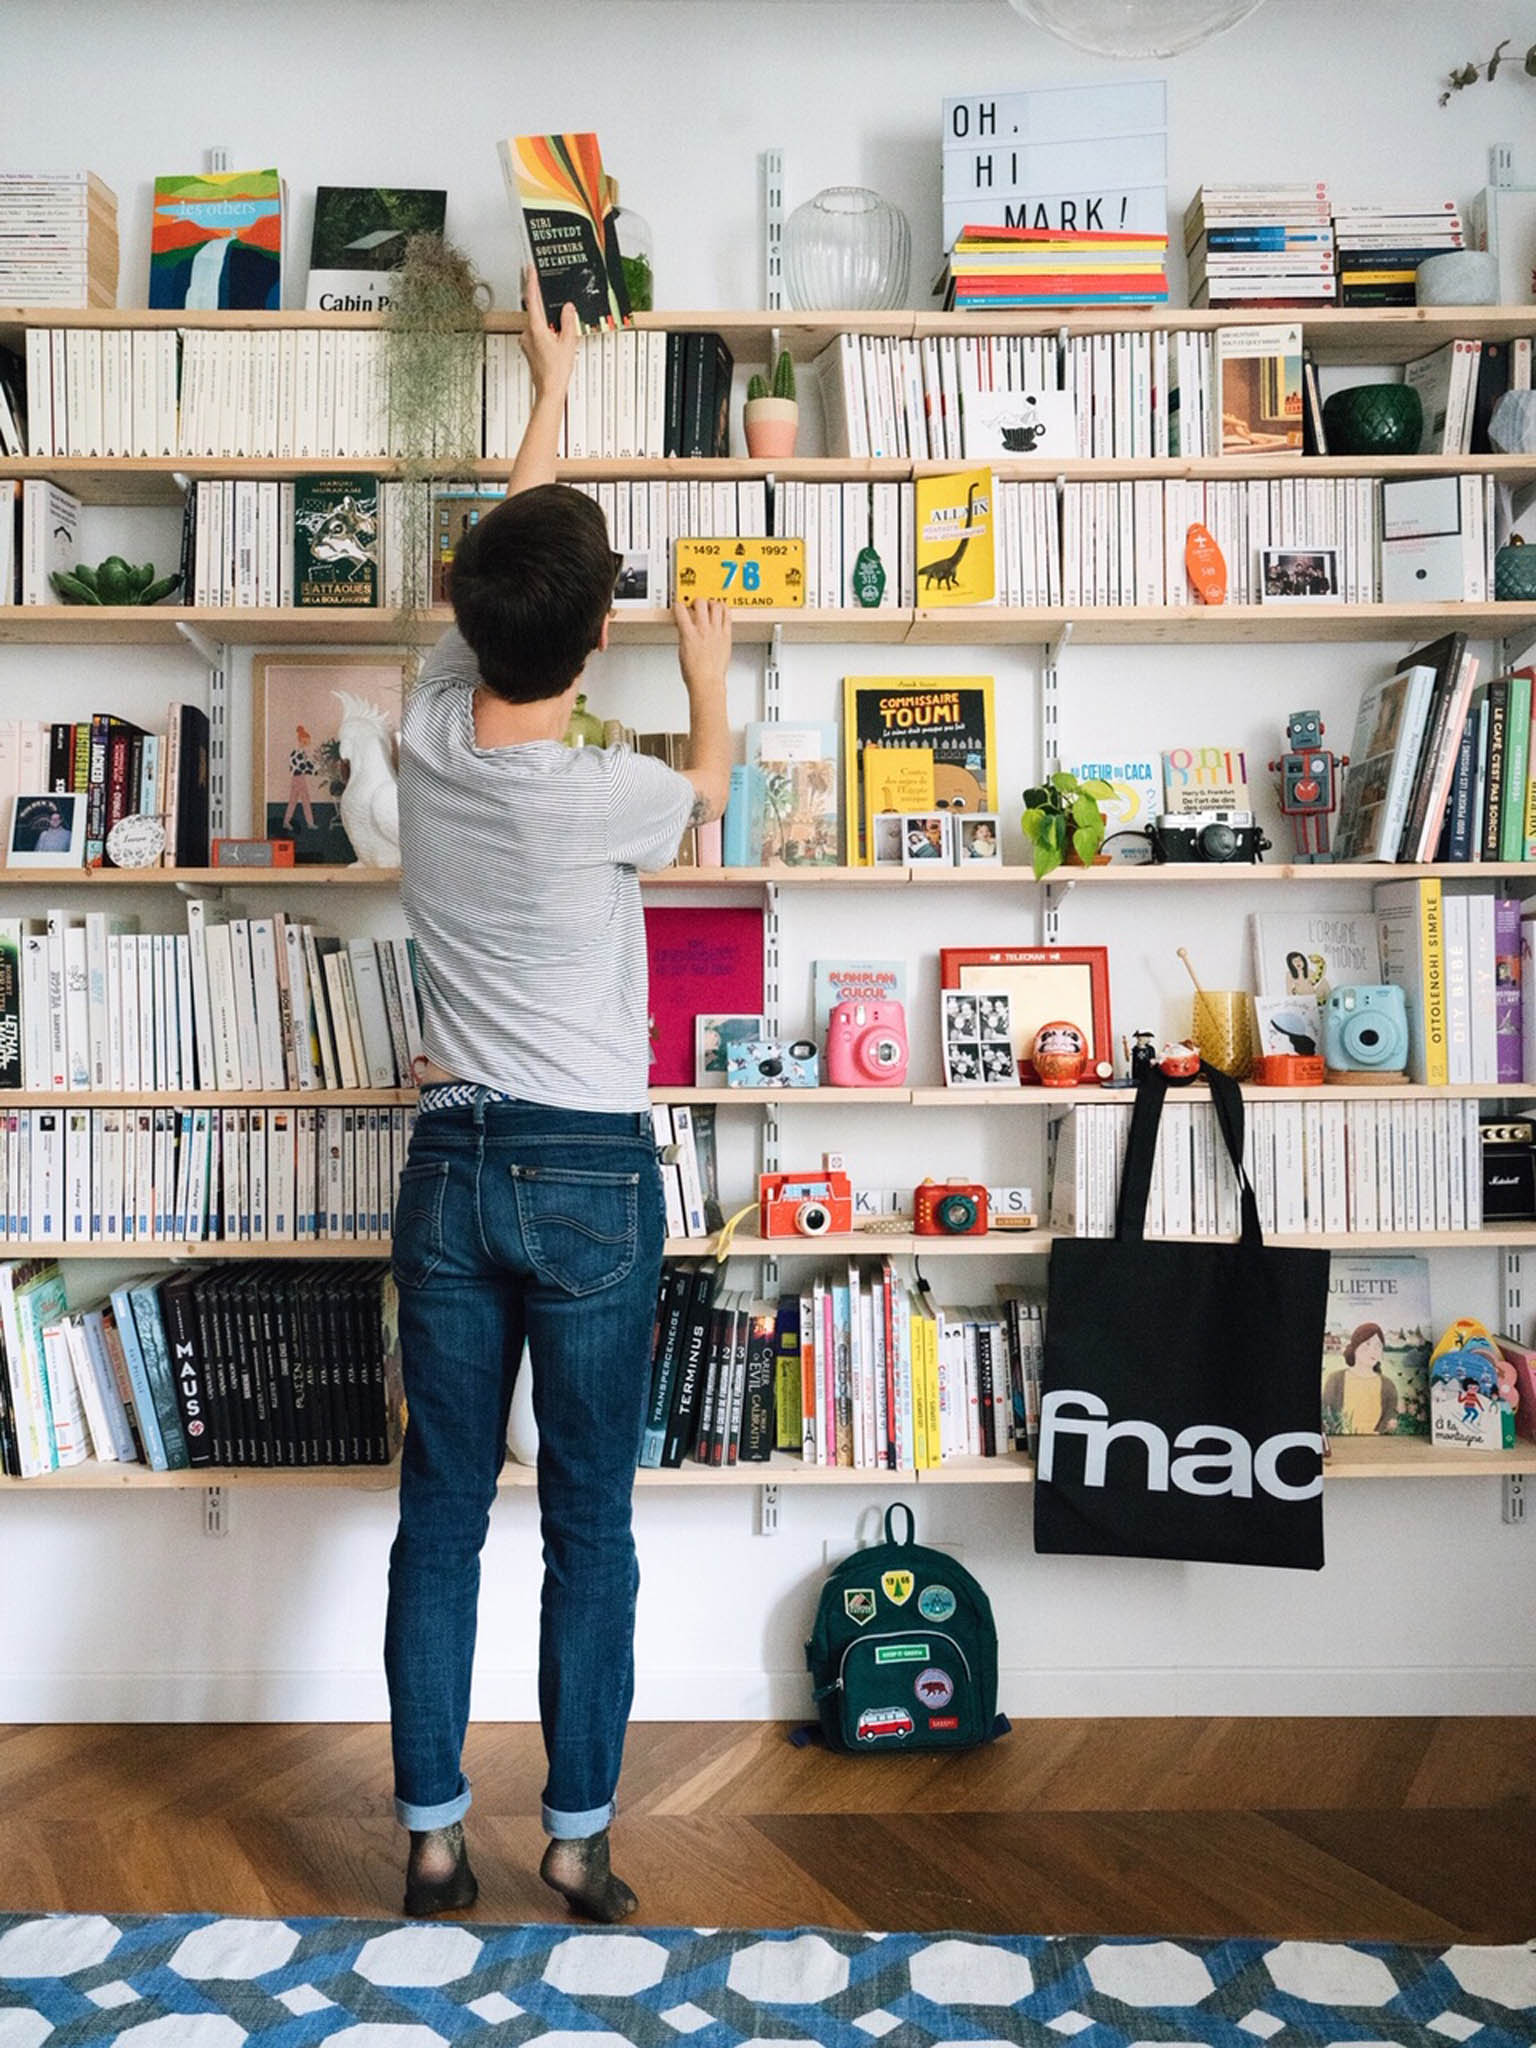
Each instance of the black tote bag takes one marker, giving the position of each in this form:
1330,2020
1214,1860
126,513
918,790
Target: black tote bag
1181,1405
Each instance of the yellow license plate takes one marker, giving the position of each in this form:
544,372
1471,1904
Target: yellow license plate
746,573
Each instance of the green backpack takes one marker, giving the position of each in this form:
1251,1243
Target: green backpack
903,1654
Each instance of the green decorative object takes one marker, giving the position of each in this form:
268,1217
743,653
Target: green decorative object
869,578
113,581
1062,820
1373,419
585,728
1514,573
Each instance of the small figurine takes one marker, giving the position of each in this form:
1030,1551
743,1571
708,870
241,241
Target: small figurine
1059,1054
1205,565
1142,1057
1181,1062
1309,783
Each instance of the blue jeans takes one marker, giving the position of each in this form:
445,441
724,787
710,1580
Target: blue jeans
518,1221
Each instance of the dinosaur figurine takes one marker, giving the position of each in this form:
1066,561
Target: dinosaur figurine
945,571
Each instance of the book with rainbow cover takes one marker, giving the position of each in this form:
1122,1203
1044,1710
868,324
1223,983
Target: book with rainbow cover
559,193
216,240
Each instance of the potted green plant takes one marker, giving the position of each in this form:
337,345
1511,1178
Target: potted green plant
1062,820
771,417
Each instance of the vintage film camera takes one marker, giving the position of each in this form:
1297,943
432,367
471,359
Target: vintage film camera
1207,835
804,1204
949,1208
1365,1030
866,1045
772,1063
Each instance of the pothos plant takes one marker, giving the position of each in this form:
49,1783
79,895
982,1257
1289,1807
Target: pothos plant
434,340
1469,74
1062,818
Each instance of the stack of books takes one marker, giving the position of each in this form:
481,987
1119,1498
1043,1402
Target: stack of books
997,267
1380,250
1267,245
58,239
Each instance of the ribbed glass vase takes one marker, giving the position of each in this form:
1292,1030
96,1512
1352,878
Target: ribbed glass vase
847,249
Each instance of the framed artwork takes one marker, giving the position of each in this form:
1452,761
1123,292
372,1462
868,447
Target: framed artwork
298,769
1299,576
1044,984
47,831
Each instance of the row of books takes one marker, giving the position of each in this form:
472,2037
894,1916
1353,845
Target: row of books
1380,249
685,1150
1336,539
58,239
1441,764
836,522
119,770
191,1174
1270,244
1462,958
233,1003
990,268
1463,961
316,392
1338,1167
255,1365
857,1369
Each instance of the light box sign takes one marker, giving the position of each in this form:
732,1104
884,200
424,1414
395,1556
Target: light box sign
1070,157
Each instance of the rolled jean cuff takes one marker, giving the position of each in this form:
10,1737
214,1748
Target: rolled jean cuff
420,1818
575,1827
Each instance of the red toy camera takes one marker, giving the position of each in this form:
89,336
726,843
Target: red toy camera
949,1208
804,1204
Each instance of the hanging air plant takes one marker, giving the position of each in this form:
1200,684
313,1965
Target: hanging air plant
434,343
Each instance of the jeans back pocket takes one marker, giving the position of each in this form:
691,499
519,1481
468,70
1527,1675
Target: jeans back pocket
417,1250
580,1227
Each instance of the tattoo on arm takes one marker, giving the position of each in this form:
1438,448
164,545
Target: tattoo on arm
699,815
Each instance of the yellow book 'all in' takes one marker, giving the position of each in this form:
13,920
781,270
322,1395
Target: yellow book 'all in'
954,538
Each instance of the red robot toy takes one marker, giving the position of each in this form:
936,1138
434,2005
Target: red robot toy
1309,783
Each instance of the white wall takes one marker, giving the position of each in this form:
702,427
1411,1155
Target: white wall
119,1607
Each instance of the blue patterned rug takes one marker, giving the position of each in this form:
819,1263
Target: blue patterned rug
200,1981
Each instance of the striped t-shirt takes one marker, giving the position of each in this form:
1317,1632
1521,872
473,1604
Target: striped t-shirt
520,889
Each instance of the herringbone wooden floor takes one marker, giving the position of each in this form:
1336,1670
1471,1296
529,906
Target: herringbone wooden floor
1411,1830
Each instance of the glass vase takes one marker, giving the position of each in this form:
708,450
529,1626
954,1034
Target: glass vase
847,249
633,234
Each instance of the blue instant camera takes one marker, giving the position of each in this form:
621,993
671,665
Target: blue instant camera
1365,1030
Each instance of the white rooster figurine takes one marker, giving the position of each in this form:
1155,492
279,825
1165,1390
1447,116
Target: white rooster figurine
370,803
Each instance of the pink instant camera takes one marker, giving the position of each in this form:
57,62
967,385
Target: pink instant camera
867,1045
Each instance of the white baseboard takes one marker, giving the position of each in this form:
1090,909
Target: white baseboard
769,1696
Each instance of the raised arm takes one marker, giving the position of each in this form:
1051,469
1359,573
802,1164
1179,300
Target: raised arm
704,655
551,357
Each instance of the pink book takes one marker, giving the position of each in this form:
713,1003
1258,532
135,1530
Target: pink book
703,960
1509,996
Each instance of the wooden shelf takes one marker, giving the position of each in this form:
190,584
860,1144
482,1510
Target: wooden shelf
212,1098
1198,625
1383,334
160,479
1352,1458
875,1244
356,877
1034,1096
780,1098
75,625
161,1251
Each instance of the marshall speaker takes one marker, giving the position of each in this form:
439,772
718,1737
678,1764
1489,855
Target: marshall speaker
1509,1172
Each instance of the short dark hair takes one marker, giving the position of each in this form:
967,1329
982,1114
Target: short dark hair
531,584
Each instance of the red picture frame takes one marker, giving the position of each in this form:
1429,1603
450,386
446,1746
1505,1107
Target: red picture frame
1046,983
